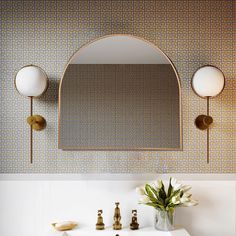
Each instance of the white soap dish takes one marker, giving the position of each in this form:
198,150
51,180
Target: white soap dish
66,225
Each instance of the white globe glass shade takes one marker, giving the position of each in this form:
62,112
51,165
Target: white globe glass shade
208,81
31,81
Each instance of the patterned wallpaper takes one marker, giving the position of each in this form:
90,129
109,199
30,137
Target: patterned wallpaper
46,33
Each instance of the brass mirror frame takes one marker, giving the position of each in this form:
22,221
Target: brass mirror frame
180,148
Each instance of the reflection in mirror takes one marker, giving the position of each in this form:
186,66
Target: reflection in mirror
120,93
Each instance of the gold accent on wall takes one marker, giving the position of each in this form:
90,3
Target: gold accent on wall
37,122
203,122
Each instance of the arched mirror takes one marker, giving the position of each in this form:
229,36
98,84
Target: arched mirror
120,93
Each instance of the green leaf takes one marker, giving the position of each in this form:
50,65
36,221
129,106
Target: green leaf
155,205
170,188
162,194
171,210
153,195
154,191
150,193
160,197
175,193
167,201
162,186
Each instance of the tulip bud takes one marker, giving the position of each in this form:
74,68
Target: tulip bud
144,199
140,191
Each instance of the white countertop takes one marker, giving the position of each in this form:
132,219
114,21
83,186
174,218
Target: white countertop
124,232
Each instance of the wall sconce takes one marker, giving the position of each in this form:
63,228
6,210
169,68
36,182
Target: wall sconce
31,81
207,82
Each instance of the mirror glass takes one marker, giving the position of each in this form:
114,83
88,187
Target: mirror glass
120,93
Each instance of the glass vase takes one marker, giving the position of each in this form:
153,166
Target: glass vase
164,220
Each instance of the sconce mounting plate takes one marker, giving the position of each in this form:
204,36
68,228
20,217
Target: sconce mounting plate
203,122
37,122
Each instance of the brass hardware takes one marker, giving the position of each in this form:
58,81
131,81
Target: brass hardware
100,225
203,122
134,223
42,124
37,122
31,132
117,217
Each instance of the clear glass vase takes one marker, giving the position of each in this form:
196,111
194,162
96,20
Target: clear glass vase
164,220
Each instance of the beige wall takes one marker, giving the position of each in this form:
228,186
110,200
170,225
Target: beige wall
46,33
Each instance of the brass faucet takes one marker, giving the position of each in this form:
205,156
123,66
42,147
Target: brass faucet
100,225
117,217
134,223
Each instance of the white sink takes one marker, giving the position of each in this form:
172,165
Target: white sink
124,232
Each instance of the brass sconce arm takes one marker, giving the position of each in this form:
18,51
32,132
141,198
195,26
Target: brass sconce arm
203,122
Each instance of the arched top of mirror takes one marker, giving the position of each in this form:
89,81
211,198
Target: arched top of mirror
119,49
154,103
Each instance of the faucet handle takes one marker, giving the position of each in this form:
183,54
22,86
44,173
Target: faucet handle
100,225
134,225
134,212
100,212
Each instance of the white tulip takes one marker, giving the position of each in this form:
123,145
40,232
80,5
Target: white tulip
188,195
178,197
144,199
186,188
190,203
184,199
175,200
173,181
175,184
140,191
177,187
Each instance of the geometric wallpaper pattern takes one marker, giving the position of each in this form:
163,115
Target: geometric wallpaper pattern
46,33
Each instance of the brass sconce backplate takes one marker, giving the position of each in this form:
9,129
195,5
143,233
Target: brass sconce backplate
203,122
37,122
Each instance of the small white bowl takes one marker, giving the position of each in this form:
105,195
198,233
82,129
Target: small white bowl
66,225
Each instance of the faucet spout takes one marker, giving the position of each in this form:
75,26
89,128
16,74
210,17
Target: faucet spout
117,218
